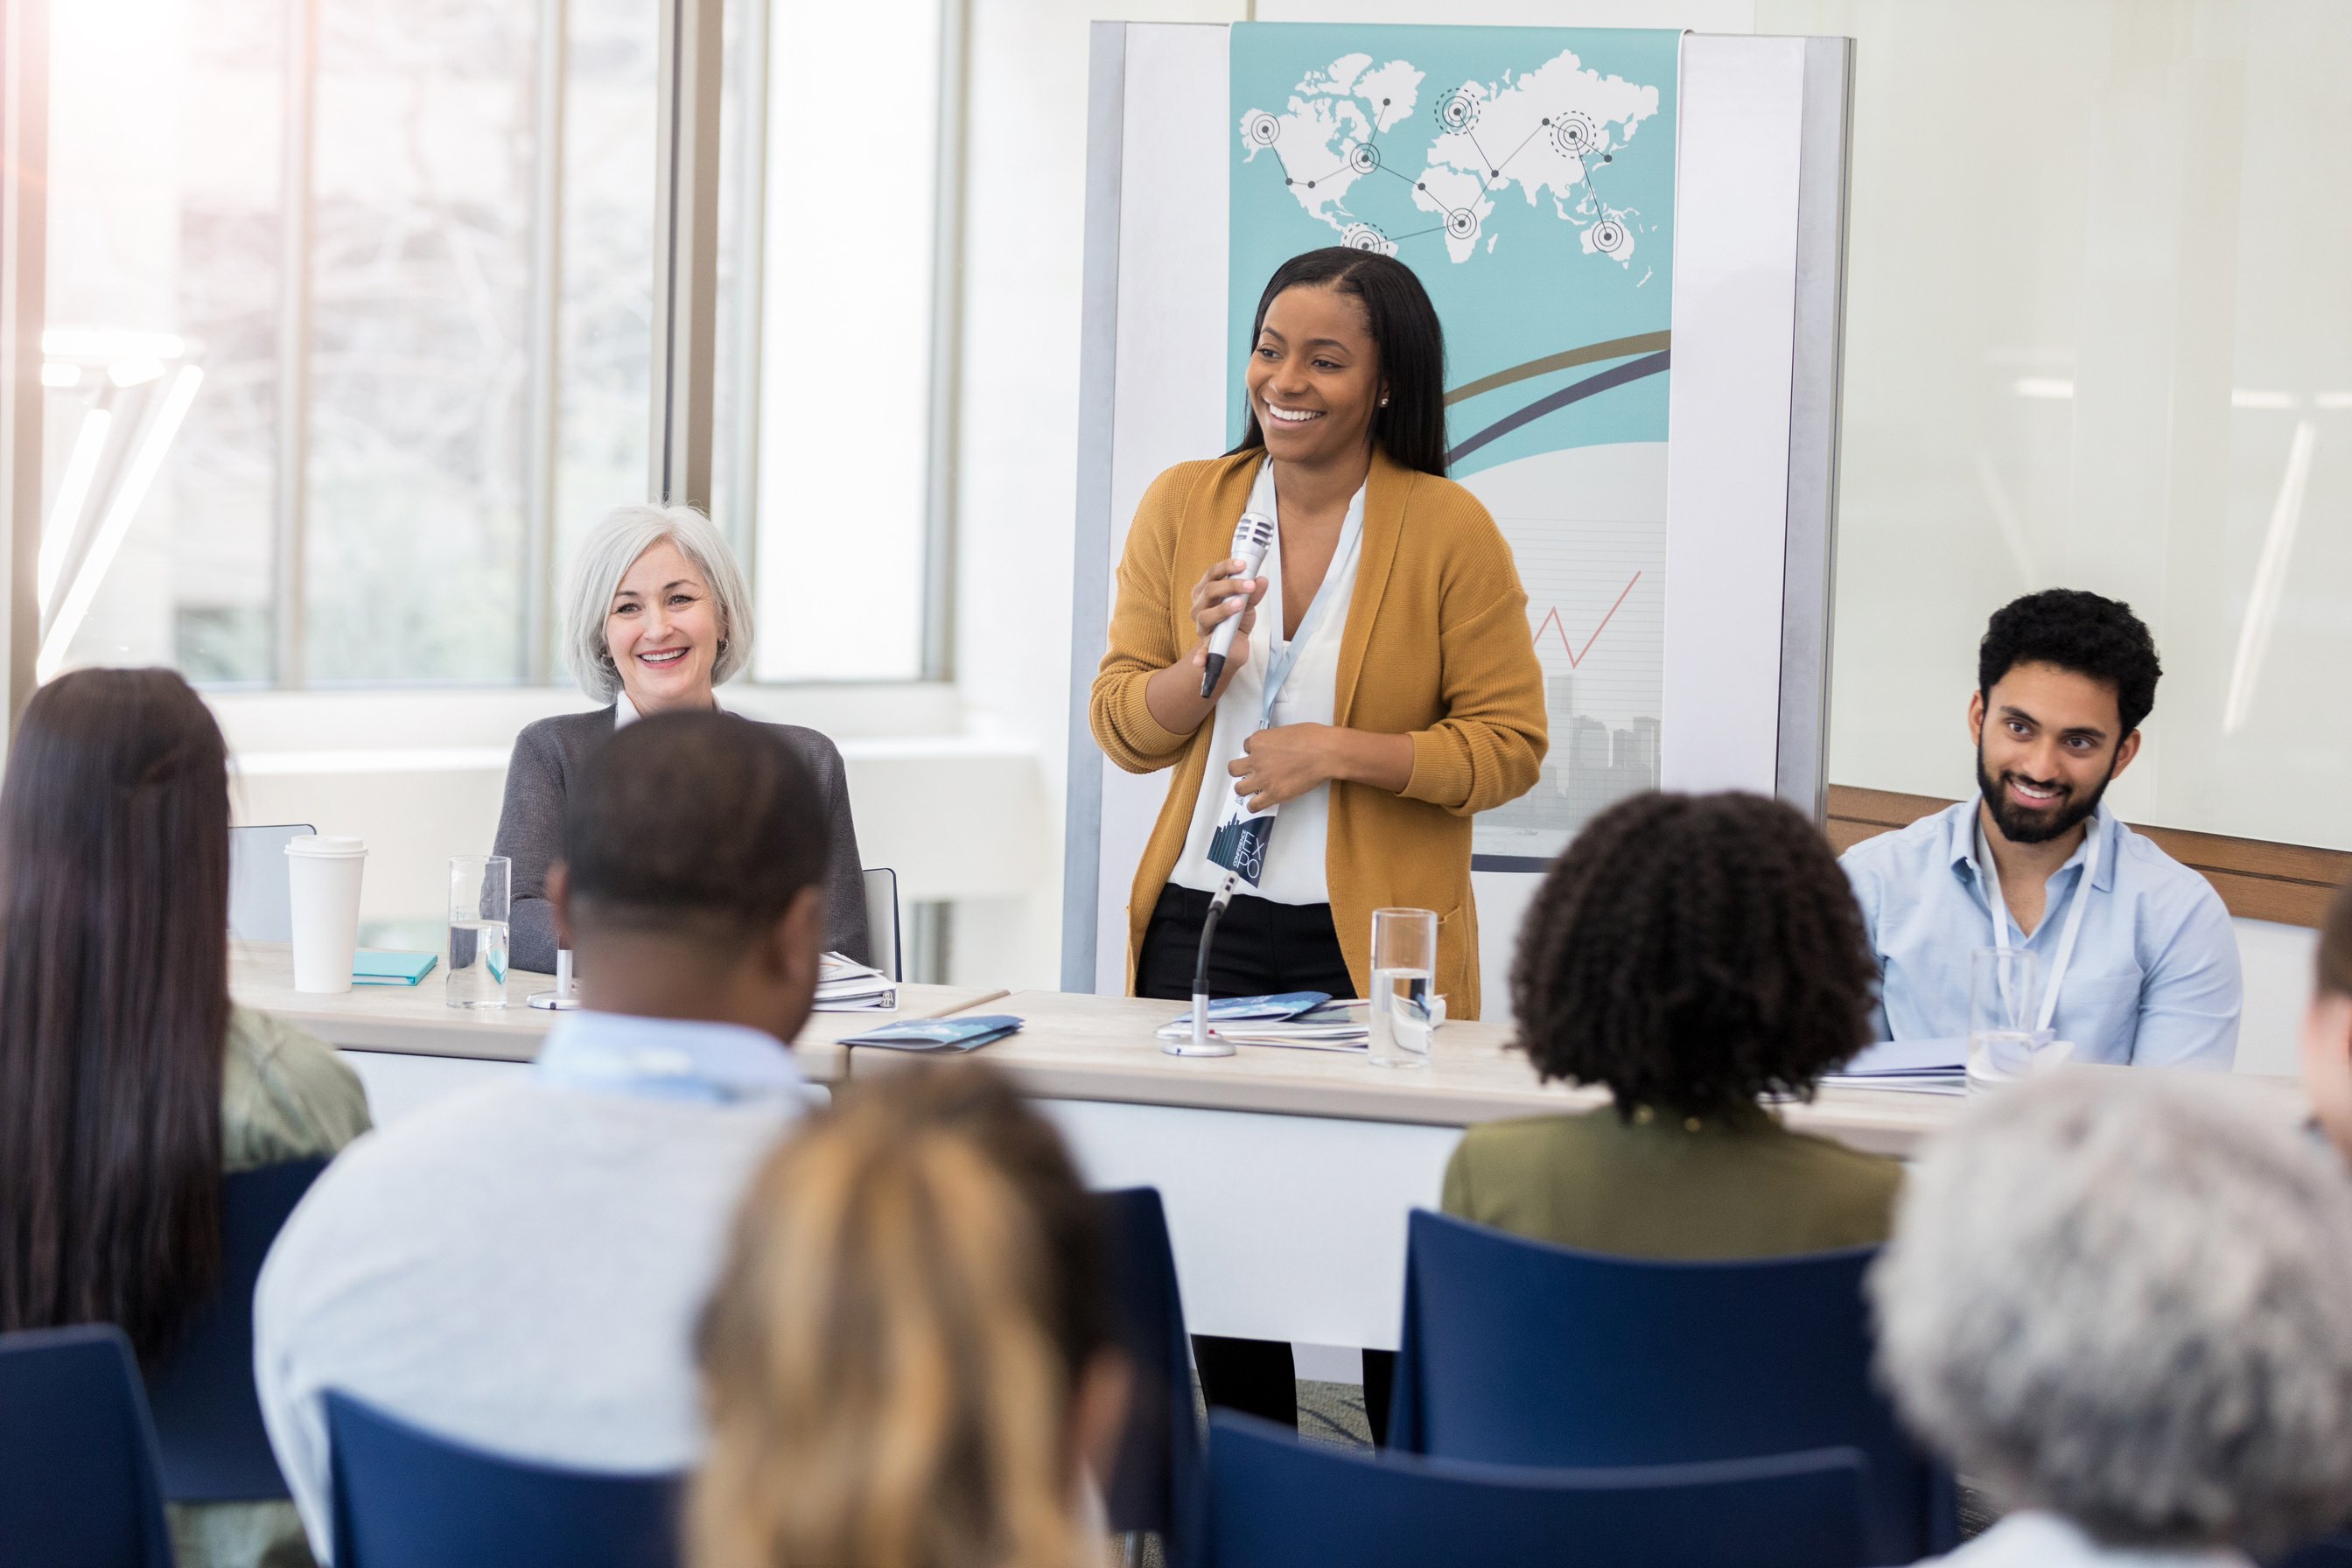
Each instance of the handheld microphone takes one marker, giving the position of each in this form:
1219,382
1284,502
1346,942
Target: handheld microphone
1253,537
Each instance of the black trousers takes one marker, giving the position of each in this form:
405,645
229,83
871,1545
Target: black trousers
1261,947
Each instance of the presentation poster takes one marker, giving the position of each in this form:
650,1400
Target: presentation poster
1526,174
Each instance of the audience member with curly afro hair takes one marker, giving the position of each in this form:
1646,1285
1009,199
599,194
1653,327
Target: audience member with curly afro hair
1692,954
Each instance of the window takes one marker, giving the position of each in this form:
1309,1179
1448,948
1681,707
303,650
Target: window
349,331
844,195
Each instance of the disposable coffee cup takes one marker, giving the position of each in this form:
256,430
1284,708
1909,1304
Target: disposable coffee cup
324,875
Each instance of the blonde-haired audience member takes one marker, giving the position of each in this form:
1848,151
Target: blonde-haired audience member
908,1359
2327,1027
2123,1302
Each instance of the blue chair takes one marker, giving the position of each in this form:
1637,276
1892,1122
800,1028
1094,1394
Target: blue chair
77,1484
1277,1502
407,1498
1520,1353
1155,1484
2329,1551
207,1416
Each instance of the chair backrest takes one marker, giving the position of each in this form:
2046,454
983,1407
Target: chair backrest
207,1416
407,1498
882,919
261,896
1275,1500
1520,1353
2329,1551
78,1486
1156,1482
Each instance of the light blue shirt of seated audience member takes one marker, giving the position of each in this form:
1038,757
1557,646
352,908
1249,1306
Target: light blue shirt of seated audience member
2154,978
668,1058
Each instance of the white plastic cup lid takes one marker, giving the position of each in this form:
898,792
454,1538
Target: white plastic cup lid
327,846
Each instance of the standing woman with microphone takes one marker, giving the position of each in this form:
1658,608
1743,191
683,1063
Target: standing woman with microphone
1389,620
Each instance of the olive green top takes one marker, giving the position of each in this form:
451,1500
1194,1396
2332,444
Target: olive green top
1667,1185
284,1096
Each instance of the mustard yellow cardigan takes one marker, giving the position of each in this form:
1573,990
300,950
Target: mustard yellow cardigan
1437,647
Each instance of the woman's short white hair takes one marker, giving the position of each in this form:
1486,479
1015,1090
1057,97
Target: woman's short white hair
2127,1298
605,557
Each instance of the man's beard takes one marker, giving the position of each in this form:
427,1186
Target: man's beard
2020,827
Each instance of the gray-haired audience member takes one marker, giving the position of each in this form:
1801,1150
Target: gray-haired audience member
657,616
2124,1301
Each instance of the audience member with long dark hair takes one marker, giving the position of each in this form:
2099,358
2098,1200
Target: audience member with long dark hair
128,1082
1696,954
908,1359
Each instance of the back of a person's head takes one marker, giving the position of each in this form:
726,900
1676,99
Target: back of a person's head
2127,1297
113,1004
1694,953
700,825
916,1289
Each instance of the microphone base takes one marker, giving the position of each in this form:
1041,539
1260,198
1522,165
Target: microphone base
1210,672
1211,1047
552,1002
1202,1043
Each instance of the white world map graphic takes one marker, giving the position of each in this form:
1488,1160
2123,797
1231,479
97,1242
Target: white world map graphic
1551,133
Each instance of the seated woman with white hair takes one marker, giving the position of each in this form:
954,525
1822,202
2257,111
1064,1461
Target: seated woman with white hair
2123,1301
658,617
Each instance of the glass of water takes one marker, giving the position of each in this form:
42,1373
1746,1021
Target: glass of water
481,895
1402,1010
2004,1015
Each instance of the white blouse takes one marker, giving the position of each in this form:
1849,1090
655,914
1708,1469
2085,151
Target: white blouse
1293,859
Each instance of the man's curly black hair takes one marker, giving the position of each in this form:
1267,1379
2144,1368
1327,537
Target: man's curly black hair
2086,633
1694,953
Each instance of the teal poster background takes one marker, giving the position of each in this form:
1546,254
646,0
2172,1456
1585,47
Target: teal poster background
1526,174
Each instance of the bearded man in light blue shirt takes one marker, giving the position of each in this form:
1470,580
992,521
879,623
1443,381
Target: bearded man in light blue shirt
2144,958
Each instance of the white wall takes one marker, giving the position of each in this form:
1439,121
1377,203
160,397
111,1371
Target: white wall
2278,964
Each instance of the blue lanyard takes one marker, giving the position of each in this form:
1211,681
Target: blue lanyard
1351,533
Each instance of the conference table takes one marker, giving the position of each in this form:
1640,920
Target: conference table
1286,1172
410,1047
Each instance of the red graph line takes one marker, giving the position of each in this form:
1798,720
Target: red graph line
1552,622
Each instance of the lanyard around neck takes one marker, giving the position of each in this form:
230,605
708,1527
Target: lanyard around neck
1352,532
2065,953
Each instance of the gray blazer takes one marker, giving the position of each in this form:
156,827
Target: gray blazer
531,830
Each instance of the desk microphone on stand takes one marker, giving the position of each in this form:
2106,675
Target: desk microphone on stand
1202,1043
562,999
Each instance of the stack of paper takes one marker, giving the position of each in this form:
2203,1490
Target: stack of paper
1306,1020
958,1033
845,986
1914,1066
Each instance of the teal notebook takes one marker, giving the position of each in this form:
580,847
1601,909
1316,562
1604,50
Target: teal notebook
375,968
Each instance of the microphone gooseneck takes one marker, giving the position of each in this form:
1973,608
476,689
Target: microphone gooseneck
1253,537
1203,1044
